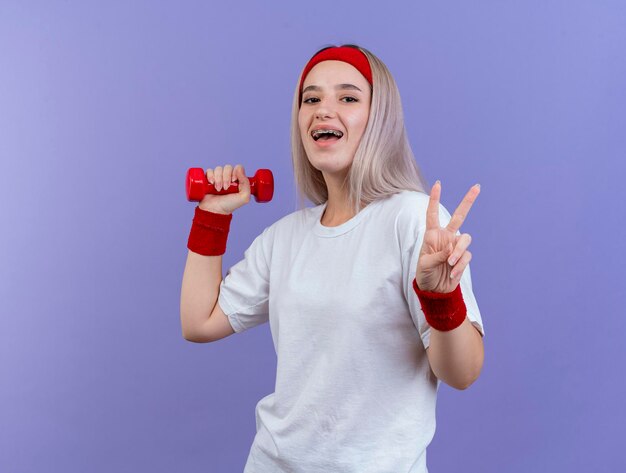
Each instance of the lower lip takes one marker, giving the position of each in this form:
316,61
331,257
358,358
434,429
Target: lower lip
326,143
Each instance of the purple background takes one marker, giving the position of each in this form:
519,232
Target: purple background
104,106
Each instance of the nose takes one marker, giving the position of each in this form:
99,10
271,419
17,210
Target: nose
324,110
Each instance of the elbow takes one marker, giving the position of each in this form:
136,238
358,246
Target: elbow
194,336
460,379
464,386
466,383
188,335
461,386
191,335
473,375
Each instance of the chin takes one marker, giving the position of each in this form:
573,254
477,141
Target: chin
330,164
333,170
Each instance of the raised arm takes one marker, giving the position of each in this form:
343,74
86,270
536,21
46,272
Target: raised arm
202,319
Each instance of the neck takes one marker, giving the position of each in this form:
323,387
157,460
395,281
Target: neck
338,209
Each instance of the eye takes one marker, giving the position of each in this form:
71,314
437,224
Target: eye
312,99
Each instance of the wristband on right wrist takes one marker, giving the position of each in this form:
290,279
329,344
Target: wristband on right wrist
209,232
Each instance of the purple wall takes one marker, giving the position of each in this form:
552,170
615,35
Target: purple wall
104,106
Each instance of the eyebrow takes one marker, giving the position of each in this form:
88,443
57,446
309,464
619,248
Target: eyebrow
337,87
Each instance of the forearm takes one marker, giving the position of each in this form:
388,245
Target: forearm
456,356
200,290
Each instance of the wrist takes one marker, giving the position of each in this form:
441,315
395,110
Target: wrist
443,311
213,211
209,232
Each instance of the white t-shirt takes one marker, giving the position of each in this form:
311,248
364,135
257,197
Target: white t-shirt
354,390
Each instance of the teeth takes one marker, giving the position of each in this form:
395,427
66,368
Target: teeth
317,133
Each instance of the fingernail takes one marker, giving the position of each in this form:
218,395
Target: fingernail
452,275
438,182
478,185
451,261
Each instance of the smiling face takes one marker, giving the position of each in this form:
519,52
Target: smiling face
335,95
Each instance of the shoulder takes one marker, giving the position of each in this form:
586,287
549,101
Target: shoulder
409,211
409,199
409,208
419,200
293,221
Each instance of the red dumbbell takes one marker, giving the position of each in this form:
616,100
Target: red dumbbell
261,185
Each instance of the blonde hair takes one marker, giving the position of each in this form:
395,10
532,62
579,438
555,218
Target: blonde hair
383,163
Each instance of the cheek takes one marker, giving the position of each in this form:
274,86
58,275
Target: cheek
360,122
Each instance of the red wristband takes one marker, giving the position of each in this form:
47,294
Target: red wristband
209,233
443,311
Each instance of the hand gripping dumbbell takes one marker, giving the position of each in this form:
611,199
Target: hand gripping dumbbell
261,185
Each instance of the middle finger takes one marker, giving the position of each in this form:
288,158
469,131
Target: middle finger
228,170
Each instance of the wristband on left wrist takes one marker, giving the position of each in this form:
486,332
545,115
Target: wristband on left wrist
443,311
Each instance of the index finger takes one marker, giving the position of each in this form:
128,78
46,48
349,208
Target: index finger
432,212
463,209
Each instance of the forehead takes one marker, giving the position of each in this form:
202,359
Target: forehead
334,72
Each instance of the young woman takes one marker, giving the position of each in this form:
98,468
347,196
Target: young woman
368,293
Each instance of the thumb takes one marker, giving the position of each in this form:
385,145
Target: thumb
244,182
241,177
434,260
443,255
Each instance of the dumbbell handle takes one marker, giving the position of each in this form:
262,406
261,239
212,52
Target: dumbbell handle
197,185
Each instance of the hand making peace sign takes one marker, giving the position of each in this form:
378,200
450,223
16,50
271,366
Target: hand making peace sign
443,252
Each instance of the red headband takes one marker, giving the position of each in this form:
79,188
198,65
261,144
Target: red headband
347,54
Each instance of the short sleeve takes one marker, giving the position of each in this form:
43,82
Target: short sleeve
244,292
411,248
